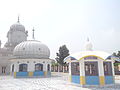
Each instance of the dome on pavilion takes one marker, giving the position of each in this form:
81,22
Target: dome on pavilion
31,49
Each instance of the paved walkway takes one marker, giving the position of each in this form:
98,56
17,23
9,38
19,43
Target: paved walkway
58,81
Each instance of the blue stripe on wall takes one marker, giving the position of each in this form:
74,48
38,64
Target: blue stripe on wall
22,74
109,80
92,80
76,79
38,73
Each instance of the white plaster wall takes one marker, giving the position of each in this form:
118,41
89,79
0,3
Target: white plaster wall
17,37
31,64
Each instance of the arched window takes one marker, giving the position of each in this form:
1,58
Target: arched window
13,68
38,67
75,68
23,68
91,68
48,67
107,68
3,69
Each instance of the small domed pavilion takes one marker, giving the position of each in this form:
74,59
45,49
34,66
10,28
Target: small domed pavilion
90,67
31,59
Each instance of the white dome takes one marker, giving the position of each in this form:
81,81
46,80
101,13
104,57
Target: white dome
17,26
31,49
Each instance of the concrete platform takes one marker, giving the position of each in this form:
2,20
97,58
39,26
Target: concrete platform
58,81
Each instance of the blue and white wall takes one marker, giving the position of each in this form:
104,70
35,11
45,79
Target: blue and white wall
31,72
100,79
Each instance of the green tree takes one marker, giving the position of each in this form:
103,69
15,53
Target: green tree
116,54
63,52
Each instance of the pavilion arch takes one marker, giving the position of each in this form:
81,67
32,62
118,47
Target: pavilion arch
92,56
69,58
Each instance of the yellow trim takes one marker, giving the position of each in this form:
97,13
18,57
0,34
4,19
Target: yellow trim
82,80
45,73
14,74
91,55
102,80
70,78
30,74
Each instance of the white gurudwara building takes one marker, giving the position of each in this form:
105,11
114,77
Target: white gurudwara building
15,35
24,58
91,67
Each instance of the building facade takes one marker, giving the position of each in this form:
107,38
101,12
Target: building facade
15,35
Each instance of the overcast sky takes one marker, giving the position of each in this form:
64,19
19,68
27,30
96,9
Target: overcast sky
70,22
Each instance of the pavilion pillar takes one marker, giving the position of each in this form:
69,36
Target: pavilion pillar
70,76
82,72
113,71
101,72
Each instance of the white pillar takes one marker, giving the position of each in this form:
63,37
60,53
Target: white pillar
82,72
31,66
69,68
16,67
45,66
100,68
113,71
82,68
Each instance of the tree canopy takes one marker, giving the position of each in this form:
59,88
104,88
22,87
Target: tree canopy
117,54
63,52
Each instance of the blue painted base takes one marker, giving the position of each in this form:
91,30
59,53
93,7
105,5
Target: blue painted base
92,80
21,74
109,80
76,79
38,73
35,74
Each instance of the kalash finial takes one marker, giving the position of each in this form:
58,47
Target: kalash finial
88,45
18,19
33,34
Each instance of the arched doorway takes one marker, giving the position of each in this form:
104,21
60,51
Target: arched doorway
23,68
13,68
48,67
108,72
75,72
3,69
38,70
91,70
38,67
